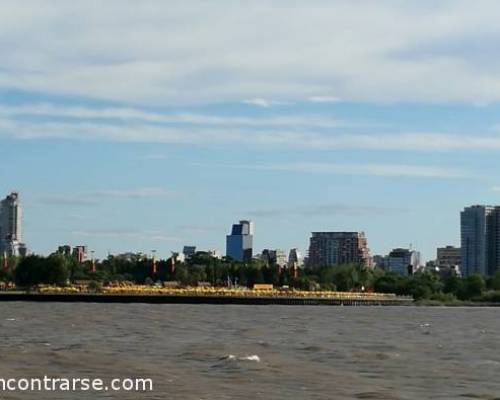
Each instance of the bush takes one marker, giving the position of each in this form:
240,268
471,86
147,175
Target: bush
446,298
95,286
491,296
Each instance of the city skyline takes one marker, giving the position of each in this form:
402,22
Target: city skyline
128,133
479,229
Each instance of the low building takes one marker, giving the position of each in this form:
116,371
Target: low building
403,261
64,250
274,257
178,257
295,259
80,253
214,253
449,257
380,261
189,251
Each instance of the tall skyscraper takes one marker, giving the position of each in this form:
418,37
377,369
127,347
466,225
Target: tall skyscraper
480,239
239,243
11,226
337,248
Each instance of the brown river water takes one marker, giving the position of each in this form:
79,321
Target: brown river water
256,352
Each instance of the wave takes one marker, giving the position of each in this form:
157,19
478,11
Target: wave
232,357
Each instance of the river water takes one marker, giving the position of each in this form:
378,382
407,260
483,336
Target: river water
256,352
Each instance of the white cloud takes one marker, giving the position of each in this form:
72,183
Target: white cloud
136,114
323,99
184,52
369,169
262,102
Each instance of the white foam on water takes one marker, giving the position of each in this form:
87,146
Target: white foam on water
253,357
229,357
232,357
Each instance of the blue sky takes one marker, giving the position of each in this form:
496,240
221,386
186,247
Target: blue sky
130,126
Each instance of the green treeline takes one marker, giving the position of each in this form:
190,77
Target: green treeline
61,270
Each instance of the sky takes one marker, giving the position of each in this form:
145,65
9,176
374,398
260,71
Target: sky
139,126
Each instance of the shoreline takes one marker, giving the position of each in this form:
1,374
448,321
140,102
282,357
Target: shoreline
180,299
124,298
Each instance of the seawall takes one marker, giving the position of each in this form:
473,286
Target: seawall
166,299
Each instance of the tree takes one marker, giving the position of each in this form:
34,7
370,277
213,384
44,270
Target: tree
452,284
494,282
473,287
181,274
424,285
33,270
388,283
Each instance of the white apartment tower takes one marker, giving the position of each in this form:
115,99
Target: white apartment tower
11,234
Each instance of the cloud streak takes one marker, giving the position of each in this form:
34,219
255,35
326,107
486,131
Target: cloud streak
94,198
134,193
68,200
323,99
326,210
370,169
128,115
207,135
262,102
153,236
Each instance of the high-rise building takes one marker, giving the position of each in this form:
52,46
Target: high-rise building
239,243
11,234
493,241
403,261
337,248
480,240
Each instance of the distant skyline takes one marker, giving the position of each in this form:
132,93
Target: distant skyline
140,126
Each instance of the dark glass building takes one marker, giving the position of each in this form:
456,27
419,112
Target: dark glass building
239,243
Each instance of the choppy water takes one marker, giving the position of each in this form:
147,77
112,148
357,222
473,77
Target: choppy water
257,352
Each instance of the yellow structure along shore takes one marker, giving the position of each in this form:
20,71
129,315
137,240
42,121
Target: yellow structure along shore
217,292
